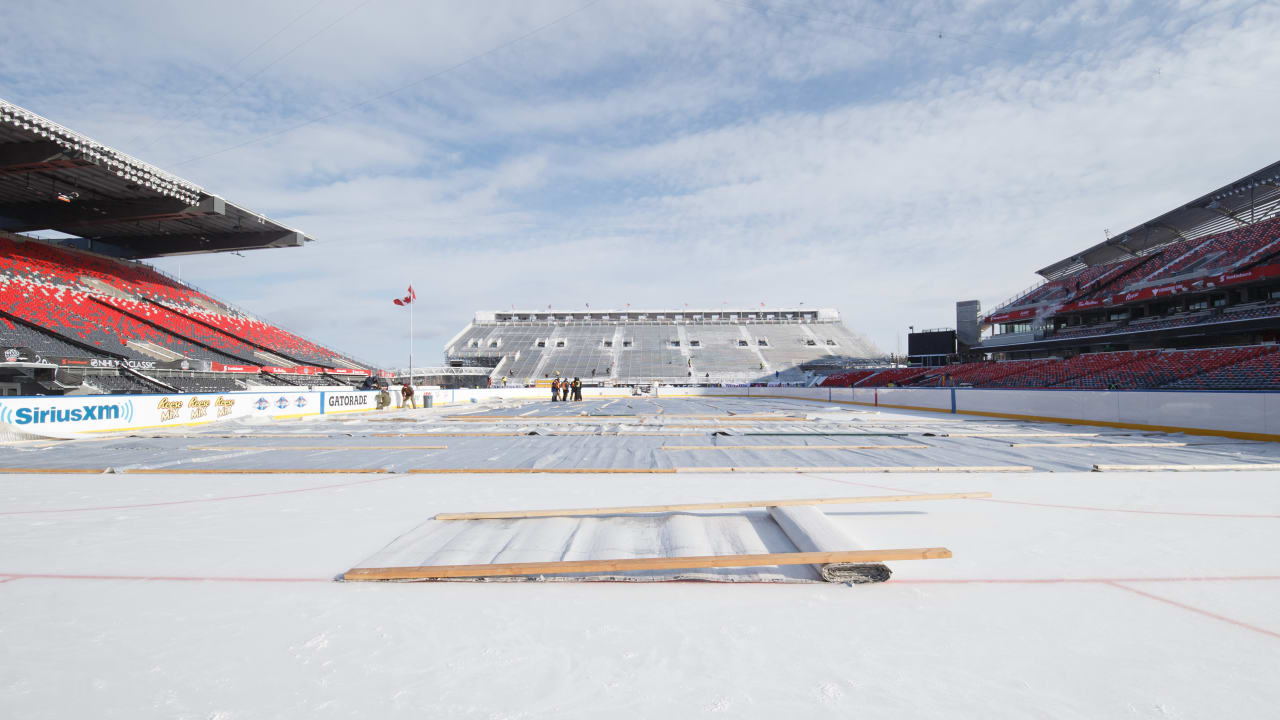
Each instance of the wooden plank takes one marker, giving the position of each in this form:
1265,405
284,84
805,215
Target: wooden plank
718,425
678,448
557,567
550,433
730,416
817,433
597,418
1185,468
536,471
728,505
862,469
53,471
1018,434
241,448
1098,444
245,471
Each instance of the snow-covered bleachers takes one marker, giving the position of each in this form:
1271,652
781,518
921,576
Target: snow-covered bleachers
670,346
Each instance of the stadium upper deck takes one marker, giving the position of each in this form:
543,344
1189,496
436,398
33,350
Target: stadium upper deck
77,302
673,346
1206,273
53,178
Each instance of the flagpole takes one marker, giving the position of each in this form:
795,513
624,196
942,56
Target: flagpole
411,304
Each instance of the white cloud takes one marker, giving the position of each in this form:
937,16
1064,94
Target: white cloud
667,152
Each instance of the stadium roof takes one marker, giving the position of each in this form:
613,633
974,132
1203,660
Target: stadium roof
1254,197
53,178
551,315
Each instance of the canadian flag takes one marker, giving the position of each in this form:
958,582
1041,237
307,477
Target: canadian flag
407,298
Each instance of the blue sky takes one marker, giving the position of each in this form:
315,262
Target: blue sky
886,159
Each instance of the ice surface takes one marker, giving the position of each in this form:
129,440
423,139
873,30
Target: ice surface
1071,595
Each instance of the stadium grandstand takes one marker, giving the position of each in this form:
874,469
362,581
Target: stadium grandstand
82,314
789,346
1188,300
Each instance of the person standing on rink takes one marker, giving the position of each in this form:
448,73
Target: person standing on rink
555,390
577,389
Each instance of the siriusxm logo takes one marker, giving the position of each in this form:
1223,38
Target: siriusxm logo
301,402
282,403
53,414
262,404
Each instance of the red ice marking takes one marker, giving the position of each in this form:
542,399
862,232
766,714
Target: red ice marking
200,500
1206,613
164,578
1129,510
1174,513
5,577
1083,580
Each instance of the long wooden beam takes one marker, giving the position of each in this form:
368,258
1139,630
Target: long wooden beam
540,471
598,418
241,448
252,471
739,469
1186,468
549,433
558,567
730,505
1019,434
860,469
682,448
1100,444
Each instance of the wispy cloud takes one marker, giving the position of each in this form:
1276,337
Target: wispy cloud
885,159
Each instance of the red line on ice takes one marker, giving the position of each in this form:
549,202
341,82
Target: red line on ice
199,500
1193,609
163,578
4,577
1092,508
1083,580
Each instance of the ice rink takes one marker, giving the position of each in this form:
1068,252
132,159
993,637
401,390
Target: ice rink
161,576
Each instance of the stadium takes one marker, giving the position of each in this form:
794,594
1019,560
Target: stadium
1061,506
685,347
1186,300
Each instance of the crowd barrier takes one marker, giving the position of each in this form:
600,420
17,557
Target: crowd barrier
1251,415
1238,414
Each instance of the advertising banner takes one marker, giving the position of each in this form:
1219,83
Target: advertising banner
19,354
219,367
67,416
355,401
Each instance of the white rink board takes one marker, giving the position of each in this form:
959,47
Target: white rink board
1231,412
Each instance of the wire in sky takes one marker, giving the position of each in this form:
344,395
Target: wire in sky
367,101
914,32
264,68
219,77
969,39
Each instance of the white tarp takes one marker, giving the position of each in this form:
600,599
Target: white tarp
812,531
679,534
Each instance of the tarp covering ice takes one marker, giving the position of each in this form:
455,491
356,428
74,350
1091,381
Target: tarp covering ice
477,542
